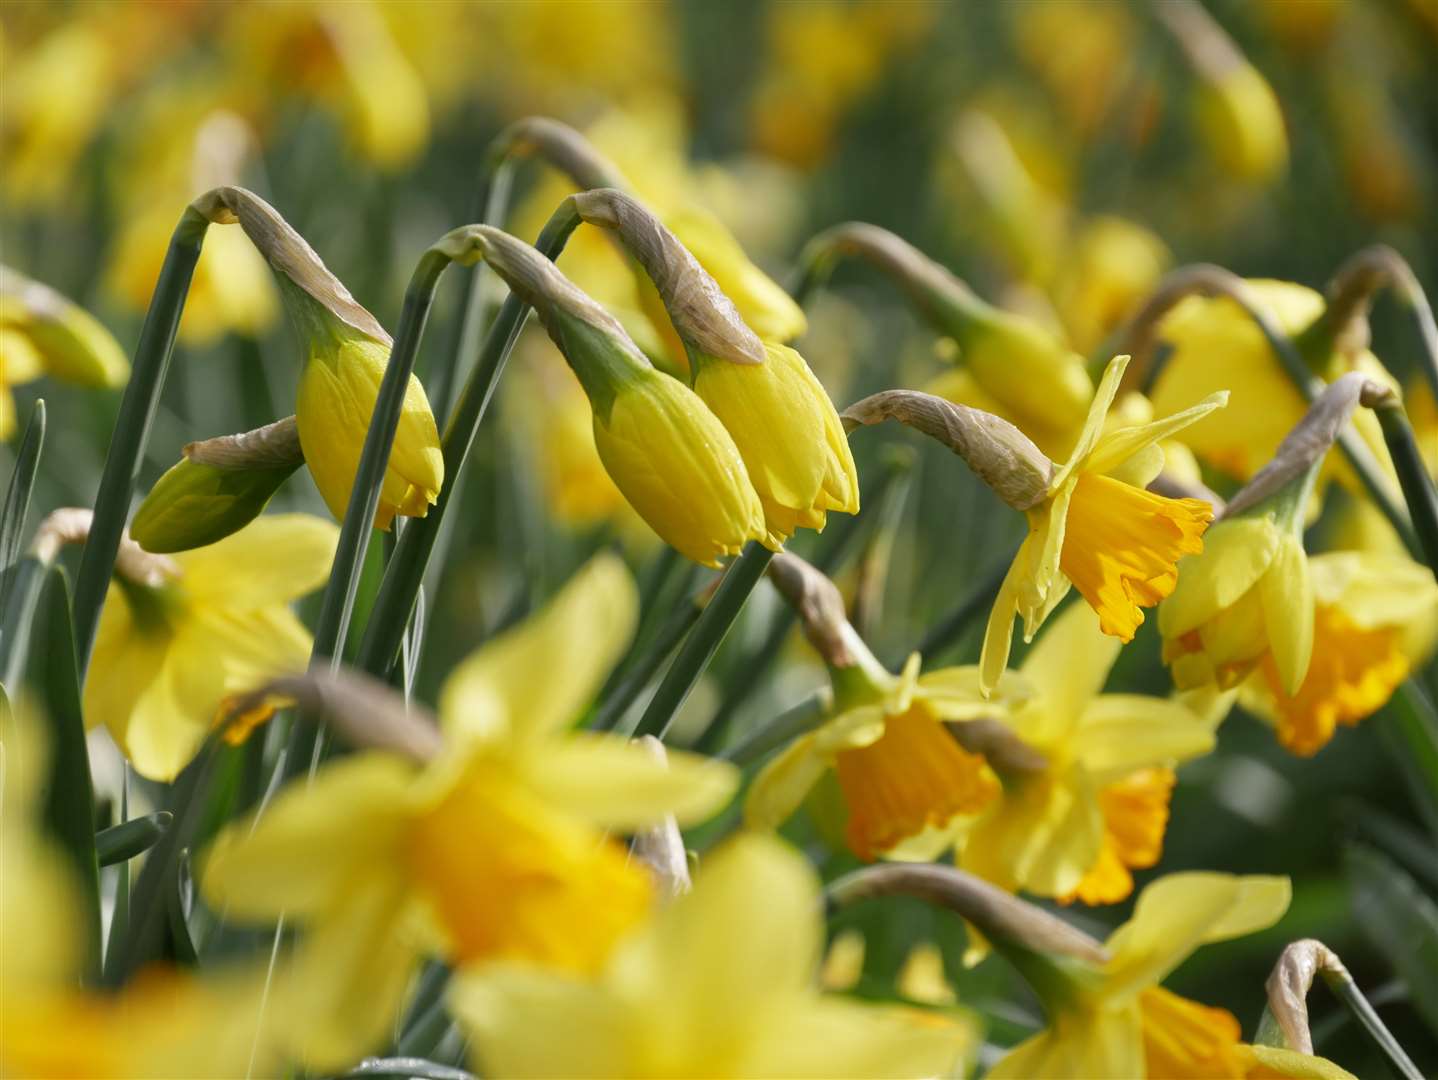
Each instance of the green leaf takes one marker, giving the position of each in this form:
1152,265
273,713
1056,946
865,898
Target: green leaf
128,839
1400,921
1414,851
69,806
1408,728
21,585
17,496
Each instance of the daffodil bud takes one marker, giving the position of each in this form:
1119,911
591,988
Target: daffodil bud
1039,382
217,488
1288,985
1000,454
68,341
664,449
346,352
779,414
1236,110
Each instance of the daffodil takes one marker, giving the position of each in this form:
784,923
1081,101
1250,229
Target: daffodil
41,332
1215,346
1094,805
1095,527
492,850
901,772
1118,1021
1375,618
720,983
343,368
163,1023
216,621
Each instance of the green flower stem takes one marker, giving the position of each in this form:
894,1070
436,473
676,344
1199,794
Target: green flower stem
799,720
132,428
834,557
405,572
1413,478
699,647
1205,279
1346,990
613,704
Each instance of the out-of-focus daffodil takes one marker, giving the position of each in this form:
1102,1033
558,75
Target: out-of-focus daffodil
1375,618
1216,346
493,851
343,368
1110,267
1118,1021
162,1023
1096,804
1096,528
41,333
1082,51
901,772
720,983
168,652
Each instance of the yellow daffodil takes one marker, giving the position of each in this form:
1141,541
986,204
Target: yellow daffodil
1119,1022
343,368
901,772
1095,804
1374,620
1245,602
162,1023
1111,266
42,333
719,984
1096,528
217,622
494,850
1216,346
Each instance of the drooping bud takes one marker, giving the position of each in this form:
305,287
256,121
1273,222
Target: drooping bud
1037,380
666,452
67,340
661,846
346,352
217,488
1288,985
1000,454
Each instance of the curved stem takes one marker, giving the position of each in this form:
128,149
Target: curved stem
400,586
799,720
1350,292
132,429
699,647
1413,478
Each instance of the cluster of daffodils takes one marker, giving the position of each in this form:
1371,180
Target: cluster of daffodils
497,874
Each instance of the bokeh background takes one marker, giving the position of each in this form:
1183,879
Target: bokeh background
1059,156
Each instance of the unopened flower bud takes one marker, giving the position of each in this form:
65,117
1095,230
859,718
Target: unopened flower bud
67,340
217,488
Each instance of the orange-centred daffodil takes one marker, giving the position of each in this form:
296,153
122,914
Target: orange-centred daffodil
493,850
1097,528
1118,1021
1375,618
168,652
900,770
1096,805
720,983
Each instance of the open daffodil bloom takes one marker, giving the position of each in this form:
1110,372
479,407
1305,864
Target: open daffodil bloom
1097,528
167,654
493,850
1098,805
1118,1021
719,984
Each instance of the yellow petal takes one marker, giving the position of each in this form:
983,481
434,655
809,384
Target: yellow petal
1236,554
537,677
1098,1043
514,1013
1118,446
1123,732
1071,661
999,633
782,784
355,811
1042,836
831,1037
621,785
1093,423
1178,913
1275,1063
1287,595
274,559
